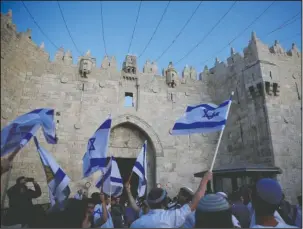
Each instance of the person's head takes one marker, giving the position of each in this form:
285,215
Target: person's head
236,197
113,200
118,200
157,198
245,192
213,211
80,191
90,206
185,195
266,197
21,180
96,198
76,214
107,199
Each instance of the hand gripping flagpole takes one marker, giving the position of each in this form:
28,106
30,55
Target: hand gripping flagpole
221,134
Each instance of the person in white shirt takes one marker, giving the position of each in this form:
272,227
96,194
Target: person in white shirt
158,217
266,198
79,194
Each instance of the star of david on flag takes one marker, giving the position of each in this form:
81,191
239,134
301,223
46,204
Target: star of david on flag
97,146
203,118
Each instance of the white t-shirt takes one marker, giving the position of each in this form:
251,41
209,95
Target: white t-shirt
160,218
276,215
98,215
279,225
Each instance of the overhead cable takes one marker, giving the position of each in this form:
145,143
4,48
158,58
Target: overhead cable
103,34
131,40
39,26
201,41
68,29
164,12
181,31
242,32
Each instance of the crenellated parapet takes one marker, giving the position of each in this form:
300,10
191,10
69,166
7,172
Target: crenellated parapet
150,67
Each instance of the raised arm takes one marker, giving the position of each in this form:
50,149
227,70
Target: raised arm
201,191
131,199
37,193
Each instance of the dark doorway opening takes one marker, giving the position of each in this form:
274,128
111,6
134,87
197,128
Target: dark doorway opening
126,166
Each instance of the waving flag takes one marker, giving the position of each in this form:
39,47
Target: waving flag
95,156
113,184
20,131
203,118
140,169
57,180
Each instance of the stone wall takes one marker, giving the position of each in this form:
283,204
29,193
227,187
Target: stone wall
29,80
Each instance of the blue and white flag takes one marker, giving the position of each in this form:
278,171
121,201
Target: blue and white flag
140,168
56,178
20,131
95,156
112,180
203,118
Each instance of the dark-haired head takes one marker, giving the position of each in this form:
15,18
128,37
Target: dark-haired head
185,195
213,211
157,198
96,198
266,197
236,197
76,214
20,180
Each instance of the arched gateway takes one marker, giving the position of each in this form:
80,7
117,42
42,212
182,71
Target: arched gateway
126,139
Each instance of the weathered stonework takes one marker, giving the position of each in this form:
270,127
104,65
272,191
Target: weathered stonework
264,125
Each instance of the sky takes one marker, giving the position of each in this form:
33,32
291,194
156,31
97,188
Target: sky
84,22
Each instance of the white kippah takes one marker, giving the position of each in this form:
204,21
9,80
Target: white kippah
223,194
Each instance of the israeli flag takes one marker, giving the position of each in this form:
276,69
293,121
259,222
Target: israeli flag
56,178
95,156
140,168
20,131
203,118
113,184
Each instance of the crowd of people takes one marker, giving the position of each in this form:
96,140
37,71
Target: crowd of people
262,205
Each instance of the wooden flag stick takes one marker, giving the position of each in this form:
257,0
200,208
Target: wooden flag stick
220,137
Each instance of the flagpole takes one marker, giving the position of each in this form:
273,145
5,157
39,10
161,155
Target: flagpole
221,134
188,143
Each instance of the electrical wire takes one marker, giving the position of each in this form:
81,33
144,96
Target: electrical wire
164,12
286,23
68,29
289,38
242,32
32,17
201,41
103,34
181,31
131,40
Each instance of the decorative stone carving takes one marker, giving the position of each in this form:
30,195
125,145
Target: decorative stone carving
68,58
105,63
294,51
150,67
59,55
28,34
130,65
277,48
86,64
193,73
186,73
64,79
77,126
171,76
